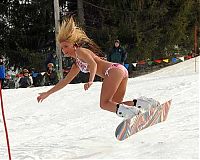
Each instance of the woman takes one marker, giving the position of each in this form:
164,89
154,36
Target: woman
72,41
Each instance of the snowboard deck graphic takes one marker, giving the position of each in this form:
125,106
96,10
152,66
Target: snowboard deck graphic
131,126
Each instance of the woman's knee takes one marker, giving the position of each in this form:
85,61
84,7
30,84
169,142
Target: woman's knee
103,104
118,99
106,104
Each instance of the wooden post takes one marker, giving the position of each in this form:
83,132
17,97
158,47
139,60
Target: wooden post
81,12
58,50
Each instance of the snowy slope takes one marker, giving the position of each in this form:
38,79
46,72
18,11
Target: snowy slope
71,125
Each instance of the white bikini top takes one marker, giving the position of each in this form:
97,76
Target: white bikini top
83,66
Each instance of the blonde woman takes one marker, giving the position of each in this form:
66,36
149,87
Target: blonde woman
73,40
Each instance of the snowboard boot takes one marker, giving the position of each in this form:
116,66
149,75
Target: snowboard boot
145,104
127,111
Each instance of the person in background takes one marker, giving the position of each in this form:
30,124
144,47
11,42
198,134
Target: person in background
51,76
2,70
11,77
117,54
51,58
37,77
25,81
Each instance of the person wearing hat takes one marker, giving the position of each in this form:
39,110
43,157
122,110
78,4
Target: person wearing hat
117,54
2,70
51,58
51,76
25,81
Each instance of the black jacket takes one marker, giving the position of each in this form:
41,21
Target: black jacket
117,55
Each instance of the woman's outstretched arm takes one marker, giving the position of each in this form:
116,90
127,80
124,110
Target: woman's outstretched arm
70,76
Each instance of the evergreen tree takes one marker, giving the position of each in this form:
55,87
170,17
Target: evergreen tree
147,28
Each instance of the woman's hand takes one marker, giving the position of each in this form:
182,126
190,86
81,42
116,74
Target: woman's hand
42,96
87,85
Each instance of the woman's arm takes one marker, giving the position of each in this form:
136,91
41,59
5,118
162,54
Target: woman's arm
70,76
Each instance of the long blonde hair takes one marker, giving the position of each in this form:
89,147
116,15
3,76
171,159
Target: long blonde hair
70,32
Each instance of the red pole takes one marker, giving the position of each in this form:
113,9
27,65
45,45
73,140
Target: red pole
4,121
196,49
195,39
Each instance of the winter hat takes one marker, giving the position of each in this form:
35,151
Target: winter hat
50,65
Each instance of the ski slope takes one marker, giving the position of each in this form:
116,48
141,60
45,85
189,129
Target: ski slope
71,125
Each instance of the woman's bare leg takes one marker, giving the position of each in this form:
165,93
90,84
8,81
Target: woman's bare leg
112,84
119,94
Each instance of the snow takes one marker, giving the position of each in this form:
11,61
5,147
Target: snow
71,125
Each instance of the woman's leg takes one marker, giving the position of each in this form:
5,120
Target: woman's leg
119,94
121,90
113,89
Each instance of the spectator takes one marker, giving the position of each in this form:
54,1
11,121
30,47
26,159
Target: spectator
10,78
37,78
25,81
50,77
117,54
2,70
51,58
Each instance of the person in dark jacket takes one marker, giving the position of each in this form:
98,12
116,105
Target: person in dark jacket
51,58
2,70
117,54
50,77
25,81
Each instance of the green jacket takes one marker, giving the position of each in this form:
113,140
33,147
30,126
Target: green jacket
117,55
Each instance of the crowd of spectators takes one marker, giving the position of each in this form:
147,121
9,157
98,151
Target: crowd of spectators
22,77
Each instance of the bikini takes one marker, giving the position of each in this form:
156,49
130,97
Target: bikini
83,66
118,66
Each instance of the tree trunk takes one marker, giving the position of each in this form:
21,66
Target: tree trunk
80,12
57,23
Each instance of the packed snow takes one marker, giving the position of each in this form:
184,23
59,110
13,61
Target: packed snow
70,124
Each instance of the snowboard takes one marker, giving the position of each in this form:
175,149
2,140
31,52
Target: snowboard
144,120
